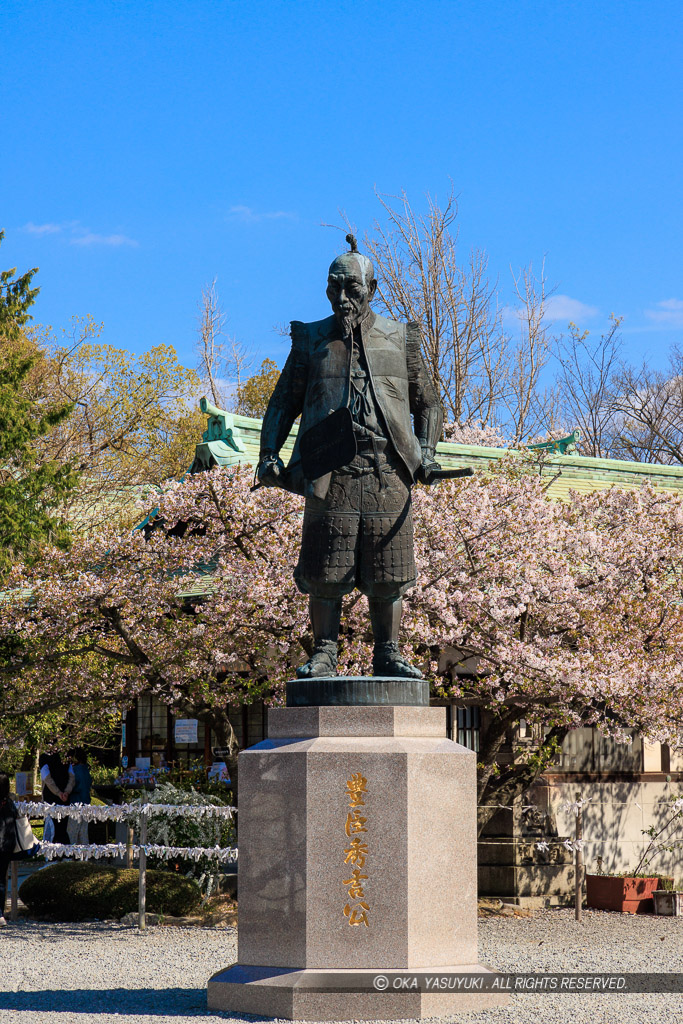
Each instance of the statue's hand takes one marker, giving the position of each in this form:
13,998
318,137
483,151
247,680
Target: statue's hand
429,466
270,470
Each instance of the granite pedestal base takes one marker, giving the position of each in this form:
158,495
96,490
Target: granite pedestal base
310,995
357,839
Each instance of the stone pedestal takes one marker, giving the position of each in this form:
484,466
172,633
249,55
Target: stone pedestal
357,839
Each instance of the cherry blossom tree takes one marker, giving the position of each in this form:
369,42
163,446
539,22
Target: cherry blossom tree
569,611
199,611
475,432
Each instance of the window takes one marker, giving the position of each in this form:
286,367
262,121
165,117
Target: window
468,727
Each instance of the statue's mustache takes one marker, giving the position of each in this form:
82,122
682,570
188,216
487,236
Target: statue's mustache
349,319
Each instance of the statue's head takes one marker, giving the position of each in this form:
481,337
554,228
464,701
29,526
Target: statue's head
351,285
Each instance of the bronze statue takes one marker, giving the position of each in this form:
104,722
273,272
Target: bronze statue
355,379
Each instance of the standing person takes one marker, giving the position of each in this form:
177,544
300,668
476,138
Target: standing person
8,838
49,823
80,794
58,782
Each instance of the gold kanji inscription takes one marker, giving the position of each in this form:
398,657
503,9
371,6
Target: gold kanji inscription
355,884
356,853
357,786
358,914
355,823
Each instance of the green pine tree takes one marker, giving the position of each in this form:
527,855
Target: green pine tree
29,492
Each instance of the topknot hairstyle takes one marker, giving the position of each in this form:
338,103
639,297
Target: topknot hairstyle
365,263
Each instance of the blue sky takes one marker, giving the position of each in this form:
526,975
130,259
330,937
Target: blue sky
147,147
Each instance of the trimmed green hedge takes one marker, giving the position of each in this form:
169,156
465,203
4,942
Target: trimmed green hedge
81,891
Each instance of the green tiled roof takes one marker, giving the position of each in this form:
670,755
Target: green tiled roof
572,471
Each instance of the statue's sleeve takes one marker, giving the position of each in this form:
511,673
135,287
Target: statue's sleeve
286,402
425,404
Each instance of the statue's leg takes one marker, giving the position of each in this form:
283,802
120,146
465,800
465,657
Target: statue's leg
325,615
387,562
326,570
385,617
387,660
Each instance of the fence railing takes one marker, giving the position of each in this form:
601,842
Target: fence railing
139,852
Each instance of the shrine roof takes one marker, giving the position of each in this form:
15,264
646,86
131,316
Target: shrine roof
235,439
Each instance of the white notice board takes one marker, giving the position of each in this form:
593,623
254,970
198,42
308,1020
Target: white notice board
186,730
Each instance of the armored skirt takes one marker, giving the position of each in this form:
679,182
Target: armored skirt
361,533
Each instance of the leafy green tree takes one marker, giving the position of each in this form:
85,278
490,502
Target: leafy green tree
29,491
134,425
253,396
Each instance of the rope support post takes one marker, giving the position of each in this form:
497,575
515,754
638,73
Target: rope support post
14,912
578,863
142,884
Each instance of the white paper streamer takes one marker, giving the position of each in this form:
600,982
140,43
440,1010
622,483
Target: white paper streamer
121,812
96,851
575,807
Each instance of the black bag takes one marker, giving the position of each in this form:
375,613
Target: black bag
328,445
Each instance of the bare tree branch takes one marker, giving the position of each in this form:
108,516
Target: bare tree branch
222,360
649,405
586,385
482,373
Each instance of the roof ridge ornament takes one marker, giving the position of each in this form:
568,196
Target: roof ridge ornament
220,424
562,445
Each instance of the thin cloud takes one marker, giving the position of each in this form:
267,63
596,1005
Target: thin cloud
43,229
91,238
77,234
563,307
557,307
669,313
247,215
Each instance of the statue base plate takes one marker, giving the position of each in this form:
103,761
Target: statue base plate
358,691
341,995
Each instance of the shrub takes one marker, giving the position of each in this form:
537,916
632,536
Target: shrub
187,830
81,891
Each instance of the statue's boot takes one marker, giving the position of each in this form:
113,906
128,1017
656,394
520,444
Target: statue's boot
325,616
323,661
387,659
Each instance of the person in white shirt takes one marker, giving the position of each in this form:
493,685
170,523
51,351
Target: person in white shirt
58,782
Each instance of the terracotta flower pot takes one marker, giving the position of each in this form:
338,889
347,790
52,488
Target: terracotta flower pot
629,895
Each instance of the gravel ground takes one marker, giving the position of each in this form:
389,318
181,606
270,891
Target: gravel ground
110,974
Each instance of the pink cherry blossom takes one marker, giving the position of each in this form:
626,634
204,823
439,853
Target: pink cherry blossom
571,610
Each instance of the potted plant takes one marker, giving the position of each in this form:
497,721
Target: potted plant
668,900
629,893
633,892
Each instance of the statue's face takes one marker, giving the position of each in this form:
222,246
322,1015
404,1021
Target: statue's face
348,290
